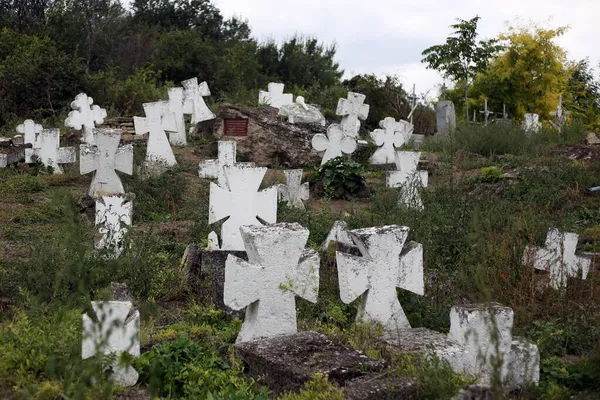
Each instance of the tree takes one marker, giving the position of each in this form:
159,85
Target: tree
461,58
583,99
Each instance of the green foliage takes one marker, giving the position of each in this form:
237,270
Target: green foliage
491,174
318,388
187,369
342,178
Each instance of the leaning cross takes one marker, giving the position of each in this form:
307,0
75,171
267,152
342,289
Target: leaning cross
486,113
278,269
85,116
294,192
158,118
46,148
29,129
116,331
177,137
408,178
214,168
275,96
386,264
392,134
104,158
241,201
558,258
334,144
352,110
194,100
113,219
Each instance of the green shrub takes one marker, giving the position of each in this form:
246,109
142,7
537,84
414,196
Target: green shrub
318,388
342,178
491,174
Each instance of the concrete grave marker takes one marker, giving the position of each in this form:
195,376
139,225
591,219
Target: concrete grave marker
241,201
558,258
177,137
392,134
116,331
278,269
408,178
294,192
275,96
300,112
85,116
158,118
560,115
104,159
46,148
339,233
445,116
486,113
334,144
213,241
352,110
29,130
113,219
212,169
194,100
531,124
386,263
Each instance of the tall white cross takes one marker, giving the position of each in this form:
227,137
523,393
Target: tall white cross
116,331
103,159
558,258
413,103
486,113
334,144
408,178
29,129
113,219
213,169
194,100
177,137
241,201
278,269
46,148
352,110
158,118
275,96
387,263
294,192
392,134
560,114
85,116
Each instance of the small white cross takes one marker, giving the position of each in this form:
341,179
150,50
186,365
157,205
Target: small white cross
212,169
194,100
85,116
352,110
294,192
46,148
408,178
334,144
158,118
486,113
177,137
278,269
392,134
29,129
275,96
113,219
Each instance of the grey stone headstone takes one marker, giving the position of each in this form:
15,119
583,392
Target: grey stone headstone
445,116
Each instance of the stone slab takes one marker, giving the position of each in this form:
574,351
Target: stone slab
381,387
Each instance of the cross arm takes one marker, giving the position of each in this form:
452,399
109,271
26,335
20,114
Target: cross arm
411,268
353,273
243,281
306,281
124,159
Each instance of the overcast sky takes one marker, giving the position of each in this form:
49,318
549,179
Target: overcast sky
388,36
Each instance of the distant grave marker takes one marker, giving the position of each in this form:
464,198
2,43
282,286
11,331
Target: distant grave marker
194,100
177,137
158,119
392,134
334,144
275,97
85,116
352,110
294,192
113,219
29,130
213,169
408,178
46,148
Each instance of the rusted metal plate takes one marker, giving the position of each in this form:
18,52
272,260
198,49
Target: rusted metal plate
236,127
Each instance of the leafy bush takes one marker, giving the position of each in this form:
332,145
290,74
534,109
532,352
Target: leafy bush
491,174
318,388
342,178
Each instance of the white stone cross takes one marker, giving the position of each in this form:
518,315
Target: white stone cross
158,118
413,103
334,144
177,137
194,100
558,258
408,178
392,134
339,233
104,158
213,169
85,116
531,124
352,110
46,148
278,269
294,192
113,219
560,114
386,264
241,201
486,113
29,129
116,331
275,96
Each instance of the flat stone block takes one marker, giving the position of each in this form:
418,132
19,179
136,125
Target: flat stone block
286,363
523,363
381,387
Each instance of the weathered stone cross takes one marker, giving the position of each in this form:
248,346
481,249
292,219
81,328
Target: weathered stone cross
275,96
352,110
177,137
213,169
486,113
194,100
294,192
413,103
558,258
386,264
46,148
241,201
85,116
560,114
113,219
116,331
391,134
334,144
29,129
408,178
158,118
278,269
104,158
